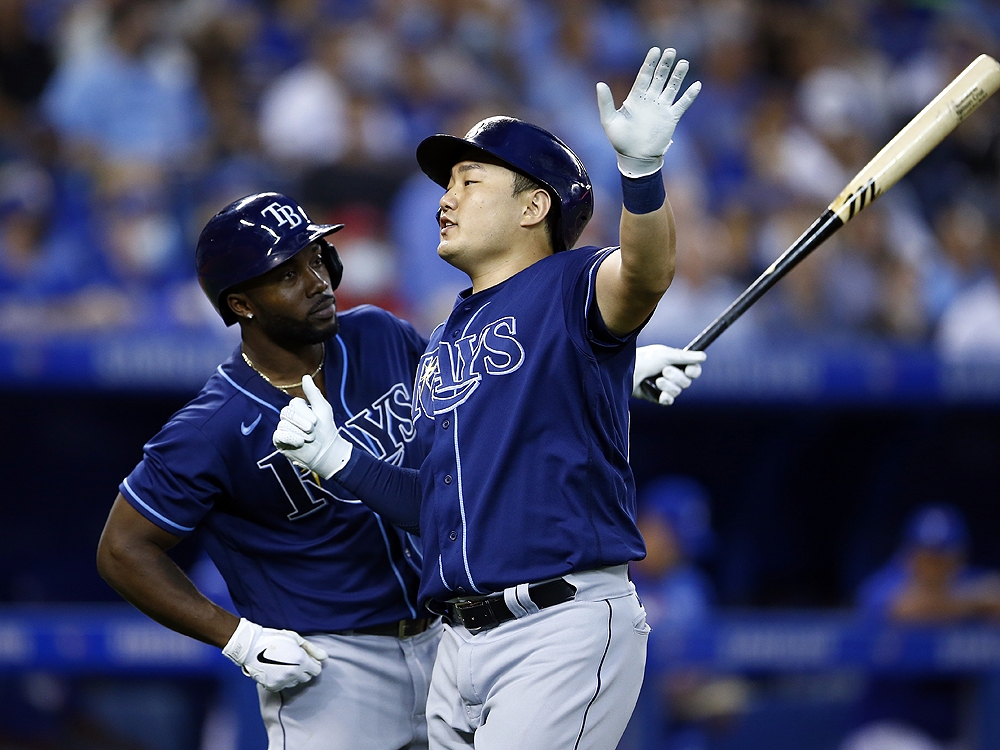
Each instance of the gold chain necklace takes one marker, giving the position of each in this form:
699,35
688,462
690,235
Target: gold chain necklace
283,387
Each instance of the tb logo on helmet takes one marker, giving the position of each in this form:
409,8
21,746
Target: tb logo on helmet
285,214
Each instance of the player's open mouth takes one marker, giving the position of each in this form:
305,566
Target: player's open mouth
446,223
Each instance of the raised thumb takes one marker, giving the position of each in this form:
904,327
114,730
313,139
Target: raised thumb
315,398
605,103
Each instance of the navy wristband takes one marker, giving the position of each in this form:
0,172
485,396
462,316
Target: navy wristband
643,195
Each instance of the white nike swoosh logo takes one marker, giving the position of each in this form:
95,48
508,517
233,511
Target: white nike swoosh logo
247,430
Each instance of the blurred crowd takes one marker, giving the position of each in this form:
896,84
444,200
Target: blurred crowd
125,124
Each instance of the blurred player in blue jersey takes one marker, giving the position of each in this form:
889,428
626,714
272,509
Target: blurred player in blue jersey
929,581
330,628
525,502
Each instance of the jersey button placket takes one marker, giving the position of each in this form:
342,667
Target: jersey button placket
453,536
447,478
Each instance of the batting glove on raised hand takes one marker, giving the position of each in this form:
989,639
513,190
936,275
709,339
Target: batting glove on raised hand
664,363
276,659
307,434
641,131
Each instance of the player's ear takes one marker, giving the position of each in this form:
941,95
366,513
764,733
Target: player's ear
536,208
240,305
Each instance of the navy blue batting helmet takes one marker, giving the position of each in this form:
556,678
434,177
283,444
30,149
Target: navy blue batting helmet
525,148
251,236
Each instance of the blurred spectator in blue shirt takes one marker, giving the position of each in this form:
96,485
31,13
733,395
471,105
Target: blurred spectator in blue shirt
677,708
969,327
928,582
133,99
131,121
50,279
674,519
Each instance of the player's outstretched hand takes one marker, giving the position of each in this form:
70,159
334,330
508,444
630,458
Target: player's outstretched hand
308,435
664,363
277,659
641,131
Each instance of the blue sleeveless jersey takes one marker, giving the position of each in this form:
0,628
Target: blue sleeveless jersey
295,552
521,407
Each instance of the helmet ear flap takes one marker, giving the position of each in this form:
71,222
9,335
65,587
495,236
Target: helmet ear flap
333,263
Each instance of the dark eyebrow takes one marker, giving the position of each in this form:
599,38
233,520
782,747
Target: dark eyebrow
468,166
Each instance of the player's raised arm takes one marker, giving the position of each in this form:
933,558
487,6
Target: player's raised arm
308,435
631,282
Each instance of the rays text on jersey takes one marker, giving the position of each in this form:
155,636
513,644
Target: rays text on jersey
447,376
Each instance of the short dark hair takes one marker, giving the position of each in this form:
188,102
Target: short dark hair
523,183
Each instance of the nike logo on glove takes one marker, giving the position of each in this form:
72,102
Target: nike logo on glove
246,430
263,659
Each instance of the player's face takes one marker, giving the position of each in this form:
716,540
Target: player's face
935,569
293,303
479,214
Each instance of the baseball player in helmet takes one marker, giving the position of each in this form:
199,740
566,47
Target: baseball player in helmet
525,502
329,622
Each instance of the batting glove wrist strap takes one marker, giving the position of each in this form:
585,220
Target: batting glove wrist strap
308,436
241,641
276,659
633,166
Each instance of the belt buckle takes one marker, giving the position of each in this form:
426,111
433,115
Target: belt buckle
410,628
476,615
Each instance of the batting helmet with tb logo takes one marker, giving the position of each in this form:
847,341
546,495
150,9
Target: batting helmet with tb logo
251,236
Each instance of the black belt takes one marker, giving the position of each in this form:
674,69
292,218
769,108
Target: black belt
398,629
484,614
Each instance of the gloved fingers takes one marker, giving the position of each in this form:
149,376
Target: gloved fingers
298,414
316,399
666,399
682,104
606,104
676,376
669,93
693,371
682,357
316,652
669,387
288,681
662,71
645,74
311,667
289,437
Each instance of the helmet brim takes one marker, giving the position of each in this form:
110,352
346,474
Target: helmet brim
437,154
315,231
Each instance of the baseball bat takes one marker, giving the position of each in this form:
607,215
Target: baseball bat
927,129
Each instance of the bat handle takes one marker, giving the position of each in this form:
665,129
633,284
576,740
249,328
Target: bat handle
698,344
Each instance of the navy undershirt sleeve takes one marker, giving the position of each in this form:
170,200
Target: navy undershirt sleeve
391,491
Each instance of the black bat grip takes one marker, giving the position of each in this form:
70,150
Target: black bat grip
813,237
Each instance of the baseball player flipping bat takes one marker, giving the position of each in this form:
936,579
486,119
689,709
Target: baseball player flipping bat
926,130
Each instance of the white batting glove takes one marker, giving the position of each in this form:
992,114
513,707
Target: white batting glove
277,659
664,363
307,434
641,131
